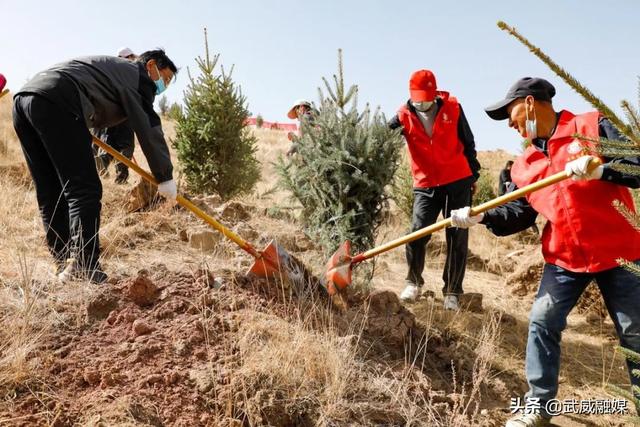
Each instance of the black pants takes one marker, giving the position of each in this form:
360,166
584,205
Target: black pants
57,147
121,138
427,205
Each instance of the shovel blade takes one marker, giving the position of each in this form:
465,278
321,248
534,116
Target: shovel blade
272,262
339,269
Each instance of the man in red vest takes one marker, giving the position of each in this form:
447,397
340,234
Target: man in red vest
444,168
583,239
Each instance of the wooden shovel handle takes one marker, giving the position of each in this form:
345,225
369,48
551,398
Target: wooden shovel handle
182,201
514,195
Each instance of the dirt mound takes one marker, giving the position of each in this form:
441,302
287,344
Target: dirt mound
142,290
526,275
233,212
141,196
191,349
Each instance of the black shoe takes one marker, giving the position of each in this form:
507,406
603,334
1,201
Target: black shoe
97,276
72,271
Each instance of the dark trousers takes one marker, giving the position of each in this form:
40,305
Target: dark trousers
57,147
121,138
427,205
559,292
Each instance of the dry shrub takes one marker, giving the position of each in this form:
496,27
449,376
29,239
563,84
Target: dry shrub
591,302
527,274
293,374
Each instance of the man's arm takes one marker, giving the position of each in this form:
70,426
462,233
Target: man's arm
147,126
510,218
607,130
466,137
394,123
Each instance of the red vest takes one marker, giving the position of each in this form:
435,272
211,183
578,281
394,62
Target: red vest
584,232
439,159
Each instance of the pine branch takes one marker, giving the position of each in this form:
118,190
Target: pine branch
609,147
632,115
618,391
631,217
597,103
206,46
626,169
629,266
332,95
627,353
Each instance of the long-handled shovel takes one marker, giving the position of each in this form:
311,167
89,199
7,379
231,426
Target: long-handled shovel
340,266
273,261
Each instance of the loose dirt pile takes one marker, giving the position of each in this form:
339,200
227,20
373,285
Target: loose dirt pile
188,349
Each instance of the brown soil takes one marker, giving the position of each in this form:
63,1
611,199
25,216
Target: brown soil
162,349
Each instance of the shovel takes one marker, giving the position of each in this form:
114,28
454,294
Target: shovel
273,261
340,266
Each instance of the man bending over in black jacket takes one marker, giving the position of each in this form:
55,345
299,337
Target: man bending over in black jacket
52,115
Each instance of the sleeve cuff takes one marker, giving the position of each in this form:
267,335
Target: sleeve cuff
608,174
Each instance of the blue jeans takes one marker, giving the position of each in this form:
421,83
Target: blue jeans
558,294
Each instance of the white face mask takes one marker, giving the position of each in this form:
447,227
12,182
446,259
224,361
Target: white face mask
531,126
422,106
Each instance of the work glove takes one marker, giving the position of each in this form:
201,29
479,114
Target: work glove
168,190
460,218
578,169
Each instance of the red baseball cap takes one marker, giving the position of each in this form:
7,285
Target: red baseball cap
3,82
422,86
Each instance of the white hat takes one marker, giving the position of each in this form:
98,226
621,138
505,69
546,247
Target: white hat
123,52
293,112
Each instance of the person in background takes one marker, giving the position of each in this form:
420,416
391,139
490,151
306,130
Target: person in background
505,178
3,83
52,115
301,110
445,168
120,137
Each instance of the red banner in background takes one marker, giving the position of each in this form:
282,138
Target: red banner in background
291,127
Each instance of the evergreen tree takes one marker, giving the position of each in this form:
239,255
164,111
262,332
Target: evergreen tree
259,121
175,111
215,148
163,104
403,189
345,161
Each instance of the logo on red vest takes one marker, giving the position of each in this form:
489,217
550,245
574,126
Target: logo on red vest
575,147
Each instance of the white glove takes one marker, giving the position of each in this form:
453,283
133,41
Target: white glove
460,218
578,169
168,189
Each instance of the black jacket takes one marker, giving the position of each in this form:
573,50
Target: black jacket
106,91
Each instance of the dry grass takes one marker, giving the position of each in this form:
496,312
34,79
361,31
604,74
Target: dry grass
300,361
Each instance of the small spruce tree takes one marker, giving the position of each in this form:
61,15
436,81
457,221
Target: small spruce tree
485,190
163,104
345,161
215,148
175,111
259,121
402,192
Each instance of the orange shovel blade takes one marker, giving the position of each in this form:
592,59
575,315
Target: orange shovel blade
271,261
339,269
